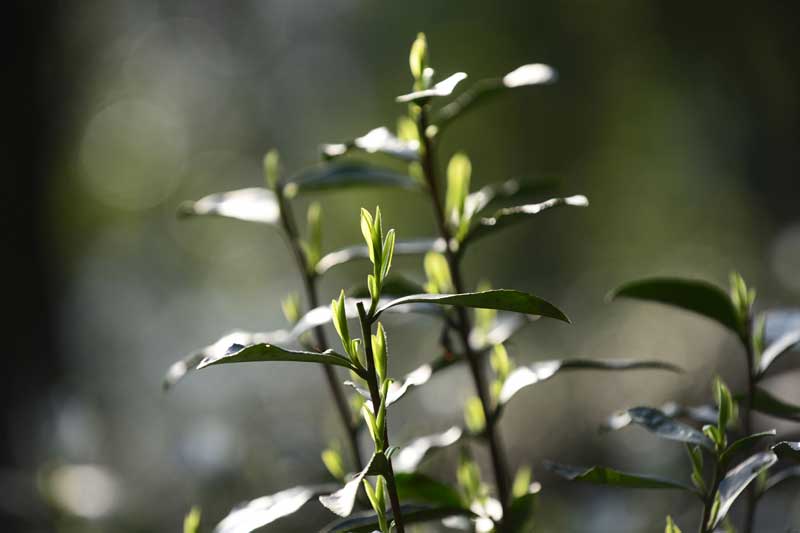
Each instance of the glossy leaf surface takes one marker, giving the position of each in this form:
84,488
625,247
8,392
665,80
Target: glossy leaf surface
257,353
254,204
782,345
608,476
409,457
348,175
737,479
513,189
659,424
378,140
500,299
692,295
220,349
341,502
415,487
265,510
509,216
765,402
789,450
443,88
528,375
367,522
744,442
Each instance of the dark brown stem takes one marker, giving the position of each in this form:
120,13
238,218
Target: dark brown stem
375,396
463,326
708,501
750,496
312,298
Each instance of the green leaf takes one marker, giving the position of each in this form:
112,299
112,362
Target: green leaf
504,326
725,404
254,204
766,403
418,56
376,141
409,457
257,353
513,189
341,502
522,482
671,527
359,251
414,487
459,172
660,424
525,376
500,299
744,442
272,169
509,216
437,273
394,286
474,417
702,414
787,450
260,512
521,514
191,523
333,461
526,75
367,522
737,479
785,343
443,88
345,176
607,476
692,295
232,341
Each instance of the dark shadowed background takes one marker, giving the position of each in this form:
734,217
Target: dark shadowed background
680,121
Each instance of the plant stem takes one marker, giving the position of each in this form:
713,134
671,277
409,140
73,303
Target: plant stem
708,502
375,395
750,509
463,325
312,298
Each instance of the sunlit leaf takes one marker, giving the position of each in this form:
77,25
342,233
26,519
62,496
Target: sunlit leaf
509,216
219,349
409,457
443,88
505,325
356,252
785,343
737,479
191,523
608,476
341,502
671,527
500,299
660,424
513,189
414,487
348,175
262,511
702,414
525,376
378,140
744,442
526,75
765,402
367,522
394,286
692,295
521,514
254,204
787,450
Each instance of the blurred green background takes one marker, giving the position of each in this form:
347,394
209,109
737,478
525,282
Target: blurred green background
680,121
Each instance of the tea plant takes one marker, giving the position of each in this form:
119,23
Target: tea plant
725,483
475,323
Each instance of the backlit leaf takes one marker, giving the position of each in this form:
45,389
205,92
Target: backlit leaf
414,487
743,443
341,502
261,352
379,140
348,175
443,88
660,424
356,252
737,479
608,476
254,204
409,457
782,345
262,511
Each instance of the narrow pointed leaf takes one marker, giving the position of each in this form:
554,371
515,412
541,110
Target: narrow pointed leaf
256,353
744,442
692,295
379,140
702,414
254,204
409,457
348,175
607,476
765,402
785,343
414,487
526,376
737,479
234,340
509,216
526,75
787,450
443,88
262,511
353,253
513,189
367,522
500,299
341,502
659,424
